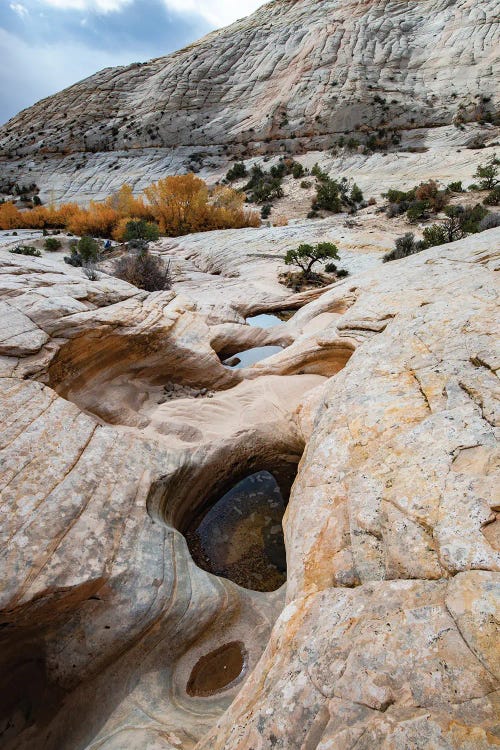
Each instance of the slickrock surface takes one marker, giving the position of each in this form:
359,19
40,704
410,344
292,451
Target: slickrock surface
292,77
389,635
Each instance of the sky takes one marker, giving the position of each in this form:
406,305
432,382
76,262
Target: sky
46,45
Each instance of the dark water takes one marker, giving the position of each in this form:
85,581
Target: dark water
241,536
217,670
251,356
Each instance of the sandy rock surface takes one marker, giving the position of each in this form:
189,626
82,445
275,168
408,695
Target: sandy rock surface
388,388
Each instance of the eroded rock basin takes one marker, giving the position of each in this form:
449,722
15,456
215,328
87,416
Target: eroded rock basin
241,536
251,356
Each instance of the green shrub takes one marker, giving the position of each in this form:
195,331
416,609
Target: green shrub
405,246
298,170
266,211
356,194
327,196
306,256
417,211
455,187
36,200
306,184
317,172
331,268
52,244
488,173
493,197
146,231
263,187
471,217
237,172
83,252
29,250
435,235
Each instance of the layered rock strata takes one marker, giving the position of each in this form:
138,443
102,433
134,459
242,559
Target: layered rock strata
292,77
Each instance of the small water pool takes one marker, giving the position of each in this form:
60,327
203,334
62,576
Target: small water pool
251,356
268,320
241,536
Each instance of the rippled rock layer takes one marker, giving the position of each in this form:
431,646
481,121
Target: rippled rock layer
292,77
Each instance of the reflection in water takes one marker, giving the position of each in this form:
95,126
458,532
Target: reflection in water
268,320
241,537
251,356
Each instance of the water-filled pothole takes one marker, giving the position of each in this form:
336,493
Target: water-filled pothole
217,671
268,320
251,356
241,536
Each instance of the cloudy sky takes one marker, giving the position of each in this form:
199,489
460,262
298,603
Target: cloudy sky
46,45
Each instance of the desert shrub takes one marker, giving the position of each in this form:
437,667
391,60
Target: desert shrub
493,197
430,194
405,246
435,235
26,250
90,271
298,170
470,218
264,187
356,195
306,256
83,252
36,200
487,173
182,204
144,271
138,229
128,206
342,273
331,268
98,220
265,211
455,187
328,196
11,217
178,204
491,221
400,196
237,172
417,211
317,172
306,184
52,244
396,209
280,221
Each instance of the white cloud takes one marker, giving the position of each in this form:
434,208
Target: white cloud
19,9
216,12
100,6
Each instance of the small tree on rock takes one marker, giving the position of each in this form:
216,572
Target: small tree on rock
488,173
306,256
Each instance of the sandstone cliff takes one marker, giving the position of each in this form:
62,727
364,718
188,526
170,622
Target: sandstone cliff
292,77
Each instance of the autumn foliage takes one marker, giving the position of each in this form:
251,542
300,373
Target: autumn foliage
179,205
